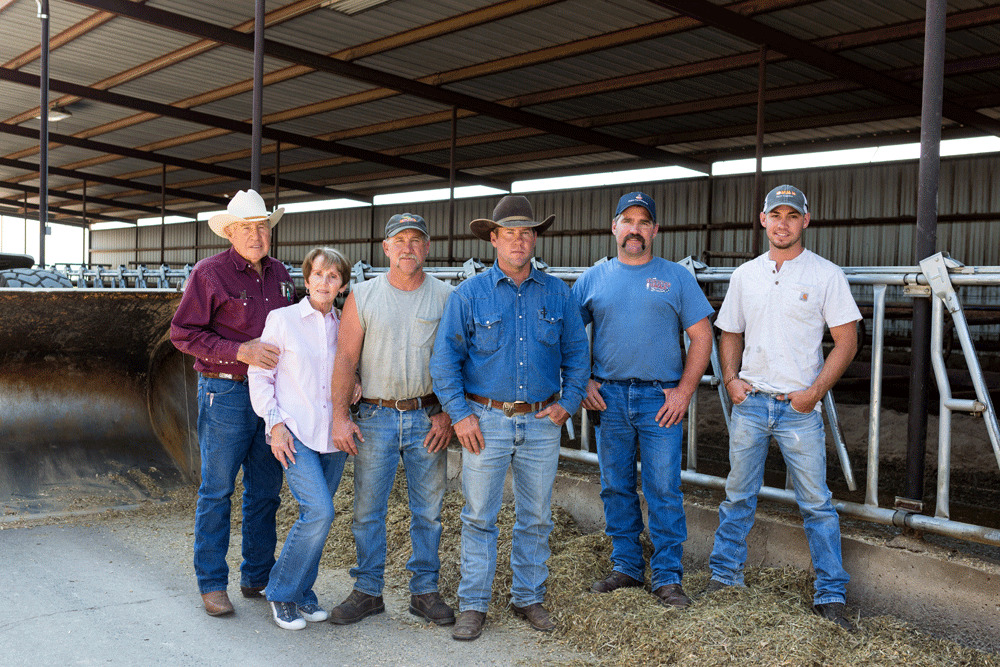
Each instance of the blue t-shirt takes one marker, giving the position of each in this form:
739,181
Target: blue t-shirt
639,313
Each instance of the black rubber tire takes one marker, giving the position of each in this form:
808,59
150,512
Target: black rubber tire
33,278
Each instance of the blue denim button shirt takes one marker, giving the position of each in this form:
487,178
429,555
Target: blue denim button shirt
510,343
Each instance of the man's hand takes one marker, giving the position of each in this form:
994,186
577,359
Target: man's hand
255,353
675,405
440,434
282,445
356,396
593,400
556,413
738,390
469,434
343,431
802,400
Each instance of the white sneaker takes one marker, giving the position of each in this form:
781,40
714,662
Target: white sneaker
287,616
313,613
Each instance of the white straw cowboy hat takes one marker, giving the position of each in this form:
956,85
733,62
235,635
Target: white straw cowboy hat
511,211
245,205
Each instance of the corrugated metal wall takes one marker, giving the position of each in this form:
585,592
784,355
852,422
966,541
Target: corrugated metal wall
581,233
841,200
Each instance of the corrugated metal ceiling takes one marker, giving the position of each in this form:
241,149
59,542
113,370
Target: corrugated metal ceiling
631,70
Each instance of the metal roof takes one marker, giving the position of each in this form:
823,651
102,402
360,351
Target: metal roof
163,89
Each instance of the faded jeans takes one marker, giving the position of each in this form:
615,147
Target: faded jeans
802,441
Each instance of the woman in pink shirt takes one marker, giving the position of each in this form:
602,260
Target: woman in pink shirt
294,401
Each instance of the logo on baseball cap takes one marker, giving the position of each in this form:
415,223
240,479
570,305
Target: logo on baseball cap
637,199
786,195
401,221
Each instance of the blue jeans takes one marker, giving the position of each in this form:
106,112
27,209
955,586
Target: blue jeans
530,447
313,480
803,446
391,435
628,427
231,436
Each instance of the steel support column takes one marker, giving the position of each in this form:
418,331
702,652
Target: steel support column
451,187
43,133
258,94
926,241
758,181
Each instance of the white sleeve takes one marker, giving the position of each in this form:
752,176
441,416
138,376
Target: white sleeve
262,392
731,317
839,306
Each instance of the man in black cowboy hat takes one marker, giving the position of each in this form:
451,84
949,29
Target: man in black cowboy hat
509,341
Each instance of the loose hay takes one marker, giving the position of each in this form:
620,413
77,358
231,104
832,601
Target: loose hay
767,623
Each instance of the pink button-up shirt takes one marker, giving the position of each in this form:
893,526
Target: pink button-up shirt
297,390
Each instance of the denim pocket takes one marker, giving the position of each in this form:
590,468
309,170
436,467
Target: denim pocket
489,332
804,414
365,412
548,327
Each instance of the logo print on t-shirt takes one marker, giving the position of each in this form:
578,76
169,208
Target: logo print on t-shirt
804,296
656,285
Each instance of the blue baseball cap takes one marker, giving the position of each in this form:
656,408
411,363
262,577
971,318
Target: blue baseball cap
637,199
786,195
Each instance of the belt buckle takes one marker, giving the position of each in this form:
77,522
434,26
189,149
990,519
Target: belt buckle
509,406
226,376
395,404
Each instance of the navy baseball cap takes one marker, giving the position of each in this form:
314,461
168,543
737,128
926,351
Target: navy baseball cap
401,221
786,195
637,199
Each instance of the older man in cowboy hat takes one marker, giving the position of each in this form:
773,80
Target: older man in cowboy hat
510,366
218,322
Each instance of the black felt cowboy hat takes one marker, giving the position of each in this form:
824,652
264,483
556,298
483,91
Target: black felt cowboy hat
511,211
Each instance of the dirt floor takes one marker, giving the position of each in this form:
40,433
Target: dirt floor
768,623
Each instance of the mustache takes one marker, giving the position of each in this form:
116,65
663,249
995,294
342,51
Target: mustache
636,237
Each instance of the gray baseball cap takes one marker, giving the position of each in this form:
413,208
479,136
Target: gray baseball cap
401,221
786,195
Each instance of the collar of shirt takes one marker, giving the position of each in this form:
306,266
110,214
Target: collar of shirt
242,264
497,275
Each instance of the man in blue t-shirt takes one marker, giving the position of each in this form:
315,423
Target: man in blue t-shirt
642,385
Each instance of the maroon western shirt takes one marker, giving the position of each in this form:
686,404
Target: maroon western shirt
225,303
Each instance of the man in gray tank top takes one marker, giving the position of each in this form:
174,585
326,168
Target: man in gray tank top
387,335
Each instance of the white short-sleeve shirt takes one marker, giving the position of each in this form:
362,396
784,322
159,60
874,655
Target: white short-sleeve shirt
782,316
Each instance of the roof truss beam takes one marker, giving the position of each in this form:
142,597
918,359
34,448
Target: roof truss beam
357,72
801,50
87,177
237,174
241,127
102,201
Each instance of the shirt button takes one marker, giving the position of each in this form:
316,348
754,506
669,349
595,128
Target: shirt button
775,282
522,339
522,363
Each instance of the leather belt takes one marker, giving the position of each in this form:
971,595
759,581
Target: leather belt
511,408
225,376
404,404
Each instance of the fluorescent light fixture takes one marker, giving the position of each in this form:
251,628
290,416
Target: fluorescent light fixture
56,114
351,7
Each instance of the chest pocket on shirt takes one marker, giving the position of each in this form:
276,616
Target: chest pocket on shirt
548,326
424,330
489,329
802,301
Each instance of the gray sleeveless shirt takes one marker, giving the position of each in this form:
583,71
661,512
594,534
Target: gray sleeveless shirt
399,329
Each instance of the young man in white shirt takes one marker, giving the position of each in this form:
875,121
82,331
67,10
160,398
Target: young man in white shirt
772,322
